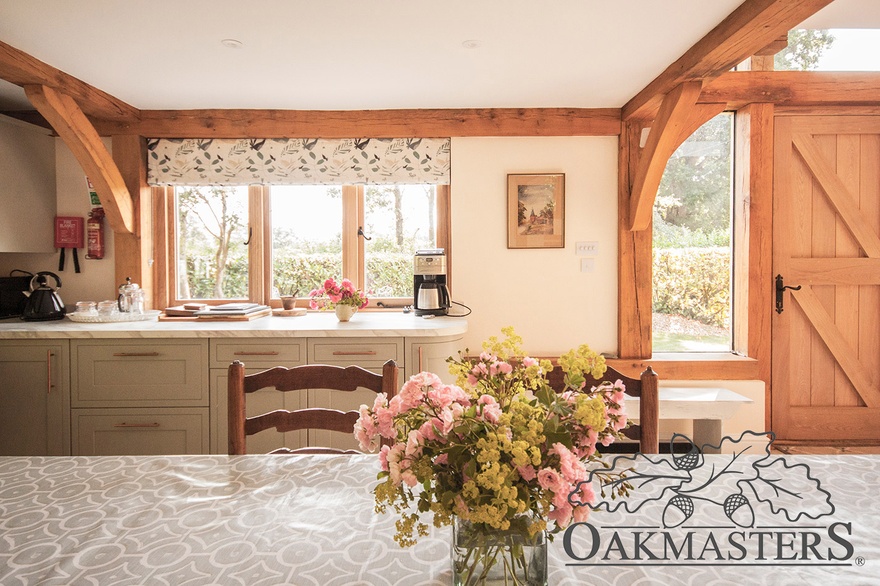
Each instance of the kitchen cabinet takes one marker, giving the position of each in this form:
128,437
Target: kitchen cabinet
369,353
34,398
160,387
27,187
140,397
257,355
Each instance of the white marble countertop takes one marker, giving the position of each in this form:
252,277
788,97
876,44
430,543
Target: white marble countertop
312,325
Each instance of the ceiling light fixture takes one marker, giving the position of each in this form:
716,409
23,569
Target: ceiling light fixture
472,44
232,43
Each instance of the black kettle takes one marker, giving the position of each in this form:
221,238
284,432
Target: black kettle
43,303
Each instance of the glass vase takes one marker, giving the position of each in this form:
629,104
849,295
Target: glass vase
488,557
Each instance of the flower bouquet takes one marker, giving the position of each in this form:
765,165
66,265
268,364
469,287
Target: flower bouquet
344,298
498,454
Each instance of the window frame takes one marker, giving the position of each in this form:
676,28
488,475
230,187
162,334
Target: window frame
752,257
260,246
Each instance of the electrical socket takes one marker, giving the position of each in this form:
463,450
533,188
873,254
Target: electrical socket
588,265
587,248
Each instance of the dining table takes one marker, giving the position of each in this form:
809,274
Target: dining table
310,520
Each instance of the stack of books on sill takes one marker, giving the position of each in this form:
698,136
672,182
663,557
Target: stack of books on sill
225,312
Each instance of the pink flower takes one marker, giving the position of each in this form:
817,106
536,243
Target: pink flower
528,362
385,422
569,464
414,442
441,460
562,515
549,479
427,431
491,410
383,457
505,368
365,430
527,473
313,304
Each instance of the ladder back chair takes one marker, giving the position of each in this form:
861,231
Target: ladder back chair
647,432
310,376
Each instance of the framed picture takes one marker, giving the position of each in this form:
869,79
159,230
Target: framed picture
536,210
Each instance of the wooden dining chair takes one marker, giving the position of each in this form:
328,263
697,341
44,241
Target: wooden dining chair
647,431
311,376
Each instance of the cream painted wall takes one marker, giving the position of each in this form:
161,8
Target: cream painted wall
96,281
541,292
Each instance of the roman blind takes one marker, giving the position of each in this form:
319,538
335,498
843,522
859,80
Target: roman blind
297,161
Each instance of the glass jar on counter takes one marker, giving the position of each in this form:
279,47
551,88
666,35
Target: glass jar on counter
87,307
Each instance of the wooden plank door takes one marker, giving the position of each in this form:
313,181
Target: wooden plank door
826,222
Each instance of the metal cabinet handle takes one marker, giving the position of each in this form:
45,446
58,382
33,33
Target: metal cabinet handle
124,424
267,353
354,353
129,354
420,359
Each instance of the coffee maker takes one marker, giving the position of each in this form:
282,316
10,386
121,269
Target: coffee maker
430,295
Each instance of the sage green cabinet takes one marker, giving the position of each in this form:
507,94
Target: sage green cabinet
34,398
140,397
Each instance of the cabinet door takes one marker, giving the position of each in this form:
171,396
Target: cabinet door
430,354
140,373
34,399
369,353
259,402
136,432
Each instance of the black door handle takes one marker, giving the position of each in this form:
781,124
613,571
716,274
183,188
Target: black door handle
780,290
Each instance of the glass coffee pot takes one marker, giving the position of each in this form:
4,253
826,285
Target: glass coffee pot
131,297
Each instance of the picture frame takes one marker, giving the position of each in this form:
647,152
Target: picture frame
536,210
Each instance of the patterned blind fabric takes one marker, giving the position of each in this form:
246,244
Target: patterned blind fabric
297,161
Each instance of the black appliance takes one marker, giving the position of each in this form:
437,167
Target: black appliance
12,296
430,294
43,303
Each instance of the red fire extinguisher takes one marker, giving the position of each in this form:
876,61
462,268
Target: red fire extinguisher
95,229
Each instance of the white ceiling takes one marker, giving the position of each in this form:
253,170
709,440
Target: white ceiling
369,54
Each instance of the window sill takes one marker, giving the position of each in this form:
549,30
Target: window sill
693,366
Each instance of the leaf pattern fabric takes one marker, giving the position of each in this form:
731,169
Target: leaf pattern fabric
298,161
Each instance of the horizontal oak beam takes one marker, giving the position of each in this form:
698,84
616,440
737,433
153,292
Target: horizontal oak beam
794,88
371,123
747,30
22,69
81,138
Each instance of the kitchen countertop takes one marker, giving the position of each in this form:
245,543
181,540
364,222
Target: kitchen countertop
312,325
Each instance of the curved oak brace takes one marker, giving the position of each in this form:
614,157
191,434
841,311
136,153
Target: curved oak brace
81,137
665,136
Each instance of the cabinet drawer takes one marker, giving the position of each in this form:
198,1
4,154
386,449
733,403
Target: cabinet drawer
258,353
104,432
145,373
363,352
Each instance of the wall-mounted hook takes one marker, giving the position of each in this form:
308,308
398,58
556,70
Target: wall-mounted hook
250,233
361,233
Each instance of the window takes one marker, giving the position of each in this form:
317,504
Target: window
692,254
830,50
260,242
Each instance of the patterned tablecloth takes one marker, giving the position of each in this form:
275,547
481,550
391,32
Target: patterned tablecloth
309,520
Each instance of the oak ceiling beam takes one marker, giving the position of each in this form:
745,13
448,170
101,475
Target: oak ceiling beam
82,139
794,88
667,132
22,69
372,123
747,30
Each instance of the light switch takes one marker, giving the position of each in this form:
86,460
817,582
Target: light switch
588,265
587,248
